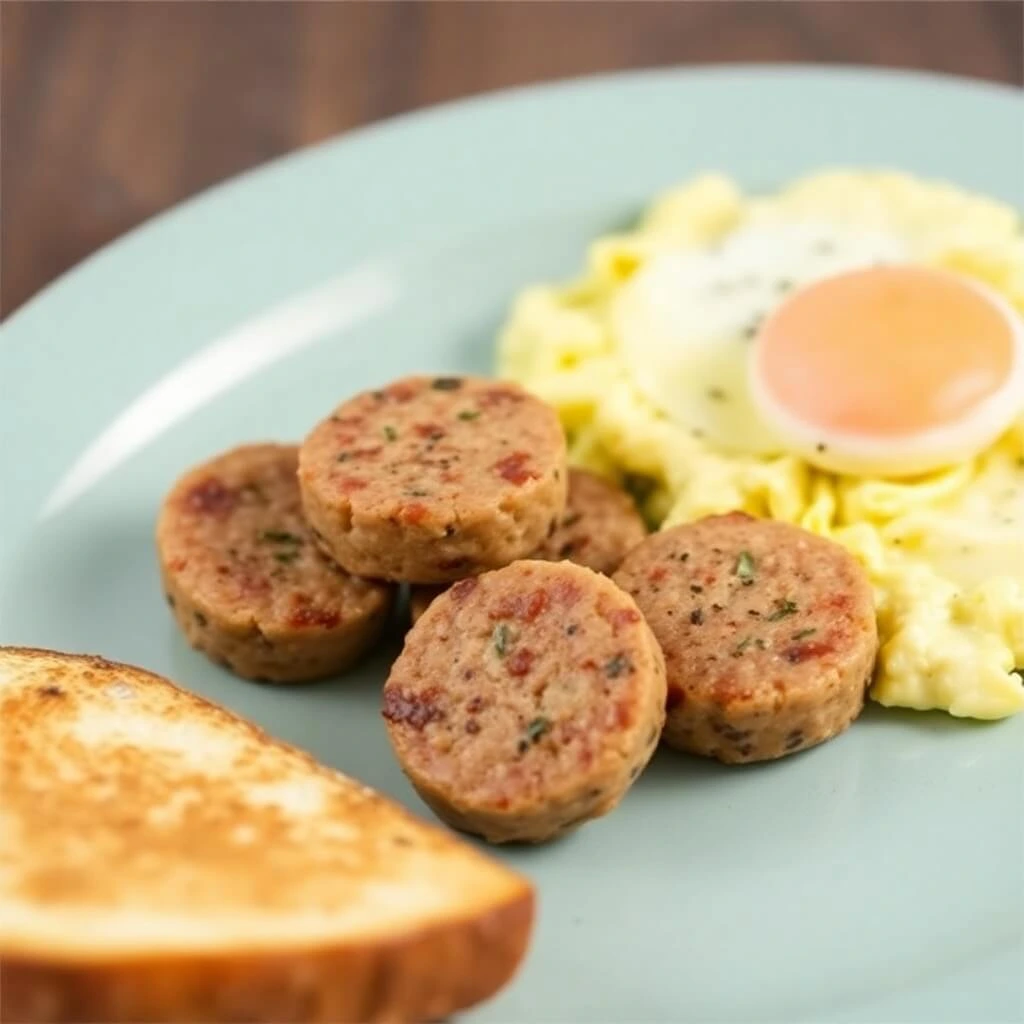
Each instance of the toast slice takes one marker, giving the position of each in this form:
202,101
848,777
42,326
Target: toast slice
162,859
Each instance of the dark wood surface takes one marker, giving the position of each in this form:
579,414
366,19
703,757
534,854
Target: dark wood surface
111,112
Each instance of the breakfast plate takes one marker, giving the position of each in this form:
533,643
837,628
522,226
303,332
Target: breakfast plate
879,877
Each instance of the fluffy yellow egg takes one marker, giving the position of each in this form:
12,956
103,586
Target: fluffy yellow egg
944,550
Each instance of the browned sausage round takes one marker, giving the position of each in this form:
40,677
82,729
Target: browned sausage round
600,525
526,700
433,479
245,579
768,631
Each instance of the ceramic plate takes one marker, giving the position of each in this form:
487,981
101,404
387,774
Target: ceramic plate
878,878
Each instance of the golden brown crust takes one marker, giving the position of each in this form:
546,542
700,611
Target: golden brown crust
422,977
459,943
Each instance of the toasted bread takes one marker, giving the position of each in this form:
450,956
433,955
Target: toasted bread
162,859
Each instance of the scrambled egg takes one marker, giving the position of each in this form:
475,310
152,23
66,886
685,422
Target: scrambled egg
945,551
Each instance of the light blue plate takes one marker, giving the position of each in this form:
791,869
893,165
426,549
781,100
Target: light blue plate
878,878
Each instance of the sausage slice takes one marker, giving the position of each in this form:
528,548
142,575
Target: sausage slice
768,631
245,579
432,479
526,700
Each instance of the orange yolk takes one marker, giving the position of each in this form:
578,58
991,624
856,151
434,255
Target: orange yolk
885,352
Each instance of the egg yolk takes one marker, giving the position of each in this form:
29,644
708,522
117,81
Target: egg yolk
886,352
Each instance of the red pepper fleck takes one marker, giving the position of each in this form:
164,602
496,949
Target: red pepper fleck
497,396
177,564
622,617
211,497
565,592
363,453
675,698
624,714
523,607
430,431
839,602
536,605
413,513
401,391
513,468
311,615
520,661
657,574
590,665
451,476
798,653
413,709
351,483
463,588
475,705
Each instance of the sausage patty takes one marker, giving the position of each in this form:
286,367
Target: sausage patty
434,478
247,583
526,700
768,631
599,526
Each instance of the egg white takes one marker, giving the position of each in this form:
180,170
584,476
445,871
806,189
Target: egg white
684,323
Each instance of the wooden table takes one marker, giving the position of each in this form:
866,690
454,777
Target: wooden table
111,112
